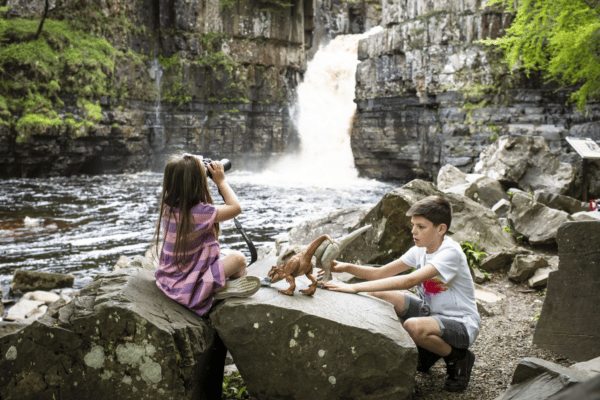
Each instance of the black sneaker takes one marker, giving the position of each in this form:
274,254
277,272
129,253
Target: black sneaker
459,373
426,360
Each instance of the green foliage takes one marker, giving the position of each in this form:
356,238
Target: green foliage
559,38
175,91
474,256
234,388
34,72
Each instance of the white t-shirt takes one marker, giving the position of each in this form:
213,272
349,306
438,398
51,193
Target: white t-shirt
452,293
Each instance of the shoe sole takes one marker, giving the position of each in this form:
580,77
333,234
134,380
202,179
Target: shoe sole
245,286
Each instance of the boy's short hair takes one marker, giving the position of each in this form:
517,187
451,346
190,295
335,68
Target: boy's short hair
434,208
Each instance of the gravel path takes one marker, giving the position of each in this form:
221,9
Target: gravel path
505,338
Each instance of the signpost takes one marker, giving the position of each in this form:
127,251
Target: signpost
588,150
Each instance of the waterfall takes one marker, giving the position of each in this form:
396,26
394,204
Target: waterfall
157,129
323,116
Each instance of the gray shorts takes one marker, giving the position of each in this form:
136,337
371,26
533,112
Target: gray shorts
452,332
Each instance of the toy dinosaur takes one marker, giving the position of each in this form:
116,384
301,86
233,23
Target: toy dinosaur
299,264
326,253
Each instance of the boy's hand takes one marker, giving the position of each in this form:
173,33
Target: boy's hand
338,267
340,287
335,266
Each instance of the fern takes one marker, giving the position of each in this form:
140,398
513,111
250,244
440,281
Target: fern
559,38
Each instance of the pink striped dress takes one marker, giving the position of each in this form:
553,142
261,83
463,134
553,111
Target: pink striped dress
193,284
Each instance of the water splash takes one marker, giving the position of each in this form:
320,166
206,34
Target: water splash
323,117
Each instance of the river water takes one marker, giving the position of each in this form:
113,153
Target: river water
82,225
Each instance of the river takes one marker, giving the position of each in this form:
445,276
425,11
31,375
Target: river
82,225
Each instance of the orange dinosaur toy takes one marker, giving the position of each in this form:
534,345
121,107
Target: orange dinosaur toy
299,264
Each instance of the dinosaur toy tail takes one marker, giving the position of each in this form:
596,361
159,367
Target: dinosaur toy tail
333,251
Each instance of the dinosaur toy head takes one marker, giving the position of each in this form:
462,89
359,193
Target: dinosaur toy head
276,274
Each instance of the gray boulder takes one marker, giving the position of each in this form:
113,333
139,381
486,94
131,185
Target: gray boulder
502,259
326,346
121,338
449,176
525,266
588,390
391,234
486,191
568,321
540,277
527,162
336,224
35,280
537,379
476,223
535,221
559,202
586,216
501,208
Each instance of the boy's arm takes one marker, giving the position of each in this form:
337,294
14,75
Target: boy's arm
371,273
393,283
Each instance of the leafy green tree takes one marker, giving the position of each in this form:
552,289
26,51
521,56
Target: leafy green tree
559,38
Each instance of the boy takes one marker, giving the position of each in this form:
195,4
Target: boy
444,320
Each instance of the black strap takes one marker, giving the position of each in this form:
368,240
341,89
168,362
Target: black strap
253,253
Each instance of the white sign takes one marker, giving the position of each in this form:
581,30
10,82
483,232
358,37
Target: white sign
585,147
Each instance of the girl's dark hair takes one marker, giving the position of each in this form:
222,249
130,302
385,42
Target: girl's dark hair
184,186
434,208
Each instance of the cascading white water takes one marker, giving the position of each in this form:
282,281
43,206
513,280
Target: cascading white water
323,117
157,71
157,137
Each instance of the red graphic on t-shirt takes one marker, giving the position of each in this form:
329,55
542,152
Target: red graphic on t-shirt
434,286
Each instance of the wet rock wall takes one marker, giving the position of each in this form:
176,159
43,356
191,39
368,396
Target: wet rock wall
429,94
211,77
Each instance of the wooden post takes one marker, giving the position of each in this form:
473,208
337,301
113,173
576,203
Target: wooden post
585,180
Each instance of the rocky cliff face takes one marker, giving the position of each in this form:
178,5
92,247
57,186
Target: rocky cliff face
429,94
212,77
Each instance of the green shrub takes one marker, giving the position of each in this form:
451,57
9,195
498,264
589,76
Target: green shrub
559,38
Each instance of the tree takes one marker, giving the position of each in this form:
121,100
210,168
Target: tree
559,38
46,6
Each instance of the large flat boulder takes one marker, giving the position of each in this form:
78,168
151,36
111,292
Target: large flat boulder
122,338
391,234
568,323
326,346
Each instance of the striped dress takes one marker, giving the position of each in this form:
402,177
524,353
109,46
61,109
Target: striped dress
192,285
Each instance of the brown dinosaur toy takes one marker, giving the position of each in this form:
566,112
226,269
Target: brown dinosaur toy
299,264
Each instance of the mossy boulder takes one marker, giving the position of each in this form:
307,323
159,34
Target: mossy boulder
121,338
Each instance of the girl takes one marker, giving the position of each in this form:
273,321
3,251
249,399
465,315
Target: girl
191,271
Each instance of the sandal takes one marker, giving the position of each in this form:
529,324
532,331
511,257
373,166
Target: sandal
245,286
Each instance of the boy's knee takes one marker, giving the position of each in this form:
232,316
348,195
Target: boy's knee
415,329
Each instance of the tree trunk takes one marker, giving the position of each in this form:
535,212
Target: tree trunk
37,35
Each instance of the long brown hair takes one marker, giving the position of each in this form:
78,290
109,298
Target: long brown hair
184,186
